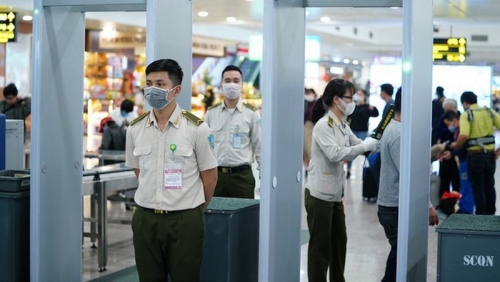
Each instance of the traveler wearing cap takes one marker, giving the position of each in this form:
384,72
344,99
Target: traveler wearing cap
172,154
333,144
236,126
476,132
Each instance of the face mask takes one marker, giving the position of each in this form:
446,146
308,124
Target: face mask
124,113
347,108
357,98
231,90
156,97
452,128
309,98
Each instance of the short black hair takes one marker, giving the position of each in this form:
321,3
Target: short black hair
10,90
469,97
450,116
127,106
231,68
167,65
440,91
387,88
336,87
397,102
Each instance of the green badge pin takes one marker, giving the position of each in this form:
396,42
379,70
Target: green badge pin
173,147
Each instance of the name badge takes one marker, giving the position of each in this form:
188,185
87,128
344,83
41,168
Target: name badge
173,178
236,141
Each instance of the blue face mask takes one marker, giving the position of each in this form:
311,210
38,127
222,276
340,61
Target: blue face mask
156,97
124,113
452,128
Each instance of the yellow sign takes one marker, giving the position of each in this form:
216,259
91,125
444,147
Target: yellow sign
449,49
8,27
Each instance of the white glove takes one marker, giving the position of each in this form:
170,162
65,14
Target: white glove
371,144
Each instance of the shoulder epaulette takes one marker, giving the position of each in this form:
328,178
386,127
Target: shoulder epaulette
251,107
192,118
139,118
215,105
330,121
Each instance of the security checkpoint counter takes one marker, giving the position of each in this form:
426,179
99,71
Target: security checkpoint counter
232,240
469,248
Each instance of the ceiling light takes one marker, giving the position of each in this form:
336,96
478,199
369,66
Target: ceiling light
325,19
231,19
336,59
202,14
27,18
355,62
395,8
249,0
346,61
364,64
108,29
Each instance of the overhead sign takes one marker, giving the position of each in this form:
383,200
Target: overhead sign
451,49
8,27
120,40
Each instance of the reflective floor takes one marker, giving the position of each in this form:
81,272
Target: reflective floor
367,247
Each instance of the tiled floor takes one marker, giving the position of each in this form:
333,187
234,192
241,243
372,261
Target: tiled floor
367,247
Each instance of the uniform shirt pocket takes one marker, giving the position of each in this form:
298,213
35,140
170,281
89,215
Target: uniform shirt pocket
144,155
218,133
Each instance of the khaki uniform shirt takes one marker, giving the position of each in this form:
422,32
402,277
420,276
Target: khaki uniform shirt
482,124
149,150
242,123
333,143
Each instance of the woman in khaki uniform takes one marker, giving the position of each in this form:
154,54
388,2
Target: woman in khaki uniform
333,143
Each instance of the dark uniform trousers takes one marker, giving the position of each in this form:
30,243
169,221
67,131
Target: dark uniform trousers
328,239
481,167
170,243
240,184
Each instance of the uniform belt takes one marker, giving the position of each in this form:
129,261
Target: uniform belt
227,169
162,212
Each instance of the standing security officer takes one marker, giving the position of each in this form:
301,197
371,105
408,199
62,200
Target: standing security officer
476,129
172,153
236,126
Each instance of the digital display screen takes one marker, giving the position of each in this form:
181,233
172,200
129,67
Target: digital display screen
449,49
8,27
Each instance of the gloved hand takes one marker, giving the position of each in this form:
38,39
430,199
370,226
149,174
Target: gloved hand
371,144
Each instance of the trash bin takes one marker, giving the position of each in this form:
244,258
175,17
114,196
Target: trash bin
469,248
232,240
14,225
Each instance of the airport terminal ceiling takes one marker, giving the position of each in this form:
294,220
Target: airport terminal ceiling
360,32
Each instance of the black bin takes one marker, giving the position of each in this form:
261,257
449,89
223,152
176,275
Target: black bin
232,240
14,225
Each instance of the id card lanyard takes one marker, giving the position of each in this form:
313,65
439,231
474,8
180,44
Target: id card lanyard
173,169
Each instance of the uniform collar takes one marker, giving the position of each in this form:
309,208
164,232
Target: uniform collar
239,105
474,106
333,119
174,118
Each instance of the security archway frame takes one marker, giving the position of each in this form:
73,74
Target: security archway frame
56,179
282,88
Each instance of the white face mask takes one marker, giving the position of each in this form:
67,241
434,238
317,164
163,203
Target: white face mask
346,108
231,90
357,98
310,98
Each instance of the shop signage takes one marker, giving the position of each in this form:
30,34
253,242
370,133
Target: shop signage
449,49
8,27
119,40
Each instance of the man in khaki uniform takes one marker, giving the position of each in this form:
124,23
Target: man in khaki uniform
236,126
172,153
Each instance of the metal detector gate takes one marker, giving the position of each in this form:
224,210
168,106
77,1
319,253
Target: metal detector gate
56,178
